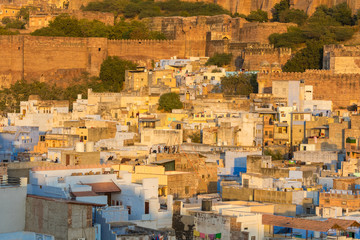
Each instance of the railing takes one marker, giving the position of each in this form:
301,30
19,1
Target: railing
9,181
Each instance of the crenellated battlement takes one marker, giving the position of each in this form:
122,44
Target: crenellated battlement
142,41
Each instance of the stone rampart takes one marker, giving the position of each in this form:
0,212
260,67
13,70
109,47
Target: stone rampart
59,60
341,89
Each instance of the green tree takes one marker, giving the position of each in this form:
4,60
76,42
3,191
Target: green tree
112,72
4,31
24,14
5,20
149,8
293,15
342,13
170,101
291,39
275,155
278,9
238,84
66,26
258,16
195,137
307,58
219,59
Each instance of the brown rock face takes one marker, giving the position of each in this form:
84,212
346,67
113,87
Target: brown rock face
246,6
309,6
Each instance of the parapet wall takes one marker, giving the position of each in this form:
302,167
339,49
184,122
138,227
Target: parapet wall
59,60
145,51
341,89
260,32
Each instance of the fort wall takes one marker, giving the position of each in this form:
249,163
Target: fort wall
260,32
341,89
254,56
59,60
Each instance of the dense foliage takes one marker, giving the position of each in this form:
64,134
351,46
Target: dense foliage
219,59
149,8
5,31
275,155
242,84
282,13
112,72
195,137
20,91
13,23
66,26
170,101
325,26
307,58
257,16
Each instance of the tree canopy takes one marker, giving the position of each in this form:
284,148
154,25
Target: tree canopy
149,8
112,72
257,16
219,59
325,26
242,84
307,58
5,31
170,101
66,26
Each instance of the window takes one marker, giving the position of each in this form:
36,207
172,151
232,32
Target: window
246,183
253,238
147,207
129,209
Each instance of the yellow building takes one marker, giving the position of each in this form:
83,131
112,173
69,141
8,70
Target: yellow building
178,184
37,21
164,77
55,141
9,11
136,79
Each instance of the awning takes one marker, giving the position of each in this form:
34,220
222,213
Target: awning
306,224
84,194
104,187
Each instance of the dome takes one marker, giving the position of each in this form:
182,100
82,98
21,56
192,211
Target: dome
265,64
275,64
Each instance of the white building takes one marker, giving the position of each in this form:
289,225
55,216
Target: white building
100,184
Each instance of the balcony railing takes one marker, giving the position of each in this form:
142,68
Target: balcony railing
9,181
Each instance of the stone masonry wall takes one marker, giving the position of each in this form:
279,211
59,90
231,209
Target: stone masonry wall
59,60
341,89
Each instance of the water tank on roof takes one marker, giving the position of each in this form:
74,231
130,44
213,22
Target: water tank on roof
89,146
80,147
206,205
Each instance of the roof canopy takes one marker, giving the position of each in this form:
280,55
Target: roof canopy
312,225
